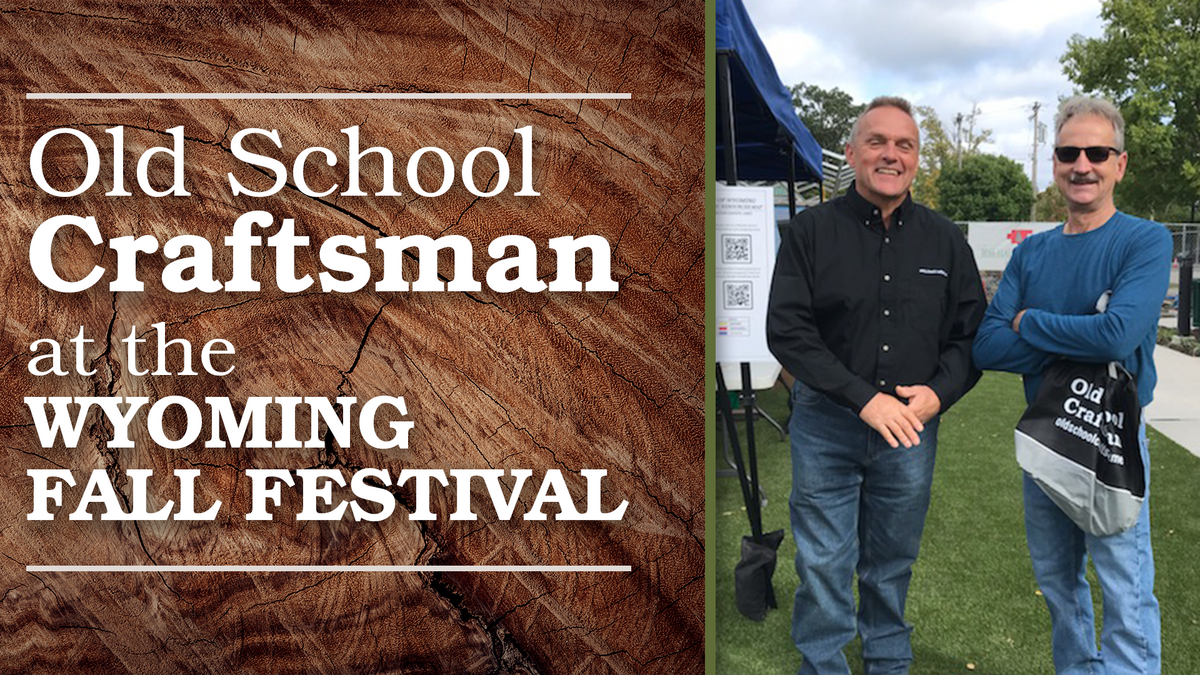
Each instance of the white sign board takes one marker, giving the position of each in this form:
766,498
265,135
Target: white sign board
745,260
993,243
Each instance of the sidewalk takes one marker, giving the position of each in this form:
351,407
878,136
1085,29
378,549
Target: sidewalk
1176,408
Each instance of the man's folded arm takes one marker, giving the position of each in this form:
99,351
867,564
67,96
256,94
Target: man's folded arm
997,346
1116,333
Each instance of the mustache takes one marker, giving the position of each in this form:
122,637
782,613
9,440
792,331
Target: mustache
1083,178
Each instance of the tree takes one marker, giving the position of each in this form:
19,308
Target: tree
987,187
1148,63
1050,205
939,150
828,113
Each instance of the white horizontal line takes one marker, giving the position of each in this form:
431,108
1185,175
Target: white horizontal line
308,96
328,568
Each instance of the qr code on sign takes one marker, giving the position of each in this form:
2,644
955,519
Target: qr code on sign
735,248
739,295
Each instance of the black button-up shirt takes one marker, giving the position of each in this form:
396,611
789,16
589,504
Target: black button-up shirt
857,308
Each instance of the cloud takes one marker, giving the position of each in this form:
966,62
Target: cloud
1002,55
919,39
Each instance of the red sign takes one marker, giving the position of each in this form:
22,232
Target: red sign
1018,236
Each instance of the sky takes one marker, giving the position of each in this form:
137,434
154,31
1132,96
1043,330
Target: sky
1000,55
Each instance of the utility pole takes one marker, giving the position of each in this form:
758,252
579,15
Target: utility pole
958,119
971,129
1036,130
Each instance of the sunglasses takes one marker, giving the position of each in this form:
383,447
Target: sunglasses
1095,154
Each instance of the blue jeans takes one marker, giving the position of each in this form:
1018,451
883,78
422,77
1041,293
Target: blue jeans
857,504
1131,636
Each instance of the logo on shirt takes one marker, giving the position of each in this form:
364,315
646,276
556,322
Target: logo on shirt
934,270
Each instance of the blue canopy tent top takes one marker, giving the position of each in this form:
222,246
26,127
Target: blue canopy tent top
772,143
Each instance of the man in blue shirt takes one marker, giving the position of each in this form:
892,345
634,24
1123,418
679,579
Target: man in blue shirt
1046,307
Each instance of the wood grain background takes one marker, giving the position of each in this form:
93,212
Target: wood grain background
551,380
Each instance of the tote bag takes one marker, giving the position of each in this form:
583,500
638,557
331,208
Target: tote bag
1078,440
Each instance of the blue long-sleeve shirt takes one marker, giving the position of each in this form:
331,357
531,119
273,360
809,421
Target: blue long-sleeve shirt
1058,278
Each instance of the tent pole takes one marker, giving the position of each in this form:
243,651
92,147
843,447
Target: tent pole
725,100
791,179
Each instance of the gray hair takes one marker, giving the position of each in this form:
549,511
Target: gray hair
1088,105
882,102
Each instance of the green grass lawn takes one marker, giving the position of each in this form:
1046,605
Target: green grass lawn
973,600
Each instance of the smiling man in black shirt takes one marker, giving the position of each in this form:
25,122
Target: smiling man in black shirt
874,304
